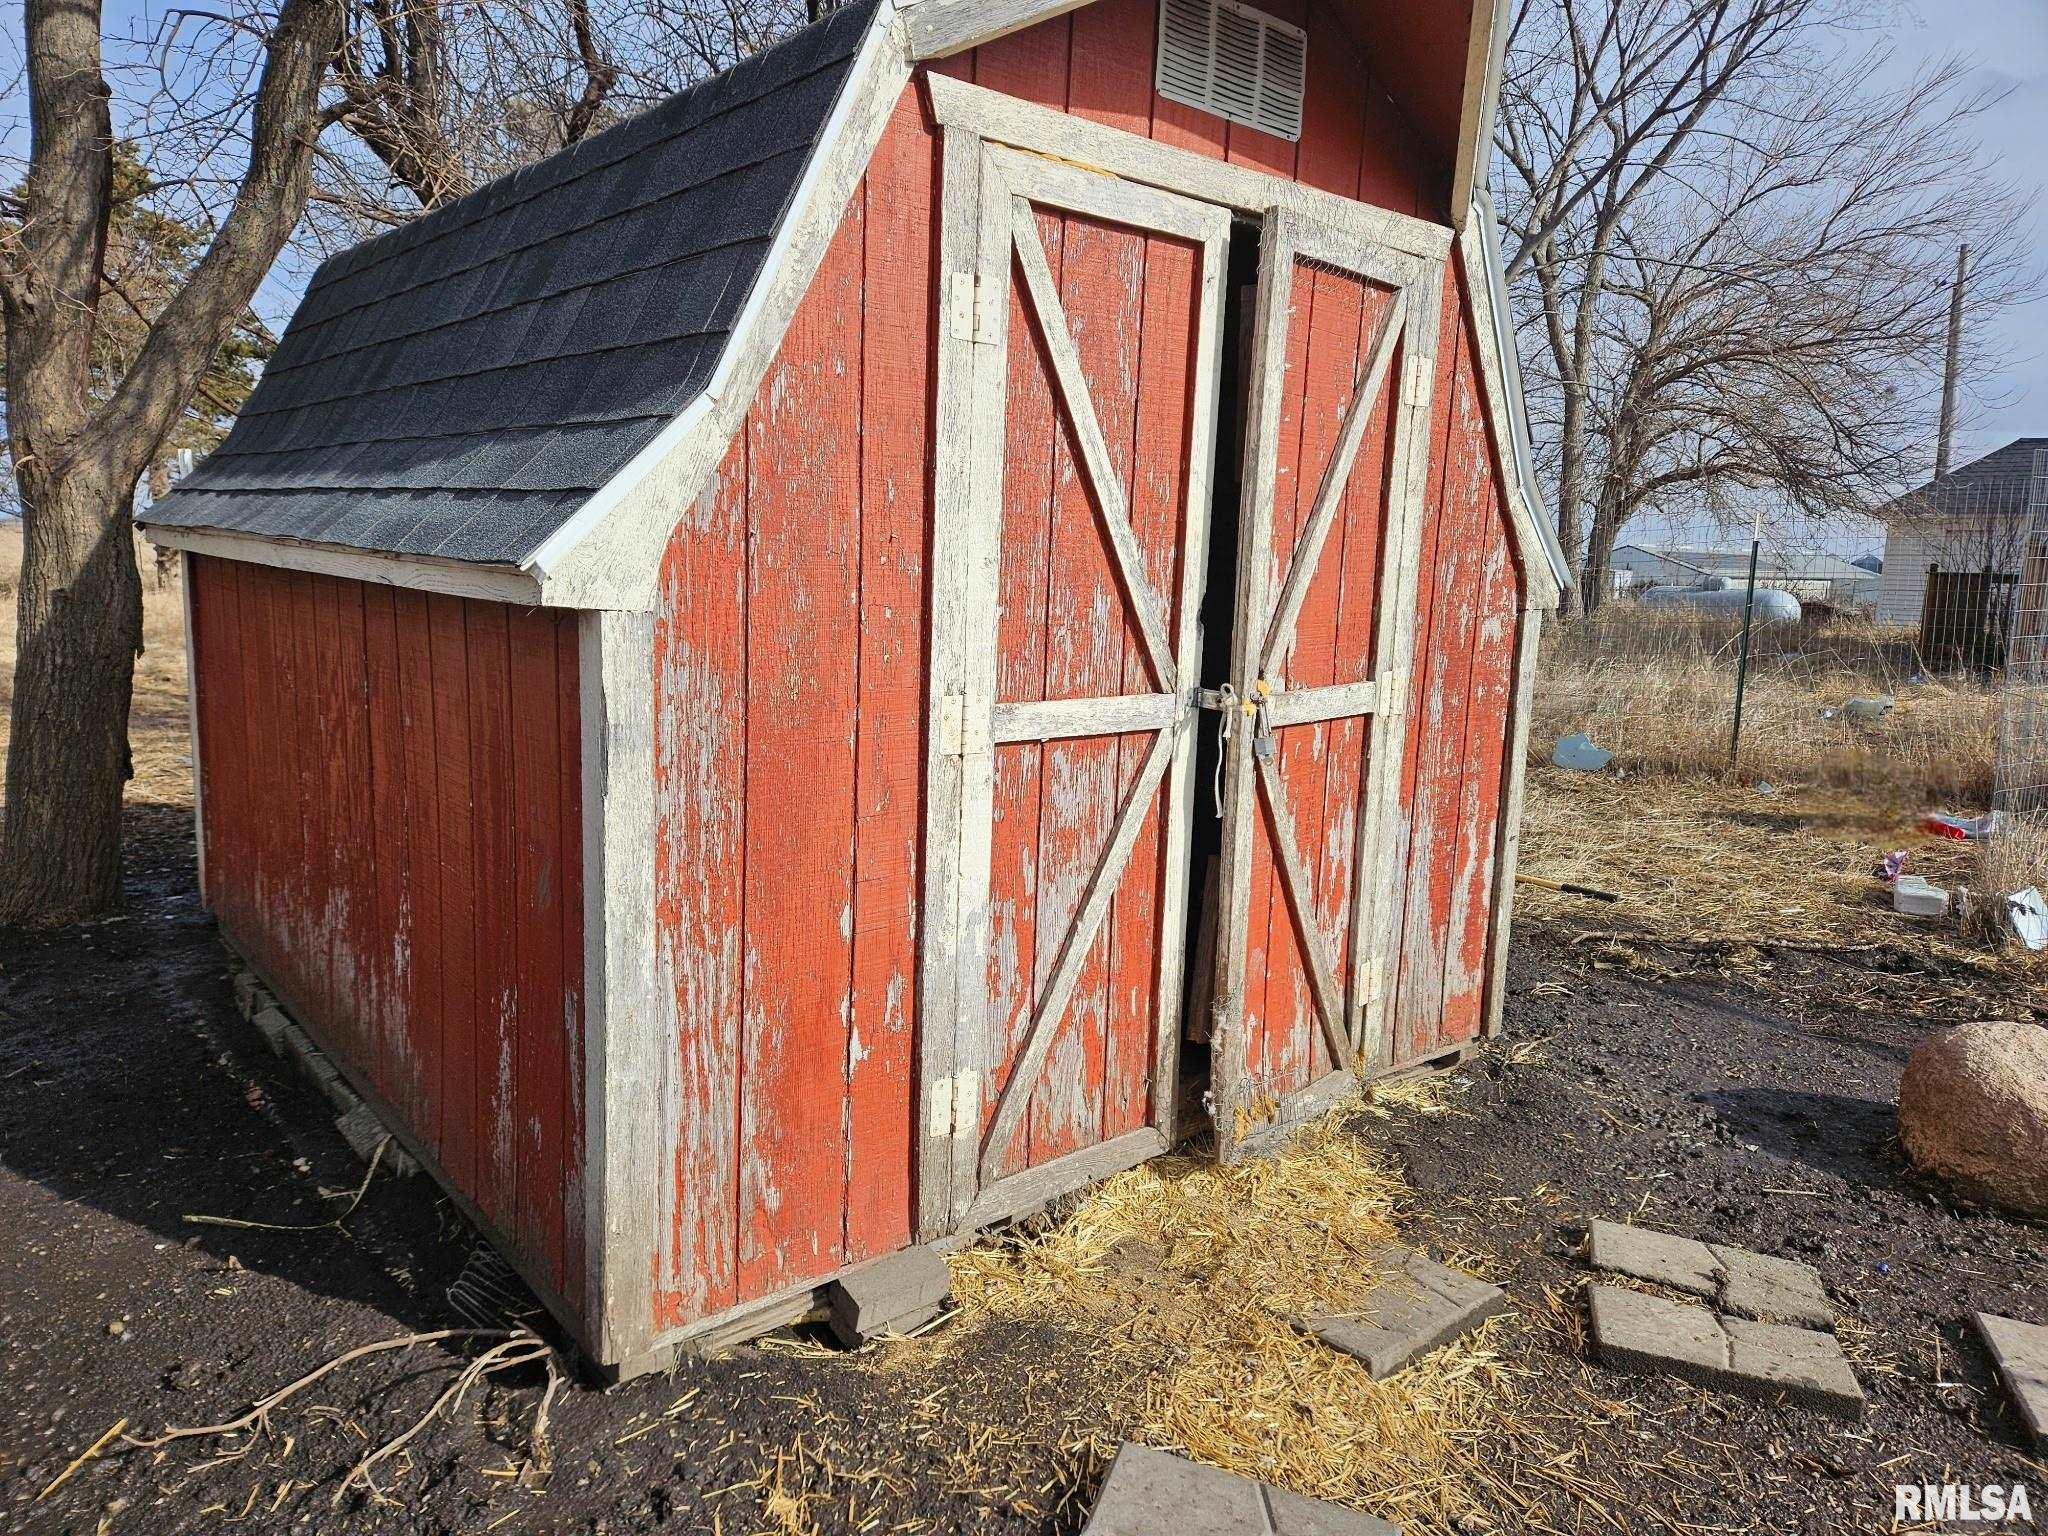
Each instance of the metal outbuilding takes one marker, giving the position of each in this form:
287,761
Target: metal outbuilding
863,648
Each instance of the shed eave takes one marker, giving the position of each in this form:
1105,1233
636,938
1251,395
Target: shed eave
425,573
937,29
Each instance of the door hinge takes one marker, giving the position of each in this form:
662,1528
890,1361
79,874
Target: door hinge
961,733
955,1104
972,310
1390,691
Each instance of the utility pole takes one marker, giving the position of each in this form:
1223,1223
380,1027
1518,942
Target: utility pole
1950,364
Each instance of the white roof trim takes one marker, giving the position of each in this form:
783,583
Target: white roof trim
1501,371
424,573
1484,51
608,554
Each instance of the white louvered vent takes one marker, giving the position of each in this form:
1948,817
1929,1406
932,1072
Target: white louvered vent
1234,61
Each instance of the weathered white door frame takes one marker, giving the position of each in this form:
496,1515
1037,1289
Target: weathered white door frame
1351,1007
971,117
988,232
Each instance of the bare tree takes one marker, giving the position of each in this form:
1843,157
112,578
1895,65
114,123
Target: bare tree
1729,259
75,462
247,119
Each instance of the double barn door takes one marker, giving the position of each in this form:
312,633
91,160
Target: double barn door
1082,318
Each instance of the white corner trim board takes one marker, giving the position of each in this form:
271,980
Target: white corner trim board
1500,371
625,1055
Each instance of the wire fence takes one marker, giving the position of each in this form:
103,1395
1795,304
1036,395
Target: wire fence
1953,564
2017,855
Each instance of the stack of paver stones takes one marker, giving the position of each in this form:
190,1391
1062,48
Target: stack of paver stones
1766,1328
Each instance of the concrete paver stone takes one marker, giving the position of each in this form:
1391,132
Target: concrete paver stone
1659,1257
892,1294
2021,1350
1751,1285
1152,1493
1633,1331
1417,1306
1773,1290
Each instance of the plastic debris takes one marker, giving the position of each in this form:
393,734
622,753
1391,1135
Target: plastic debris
1577,752
2027,914
1961,829
1893,866
1916,898
1766,787
1862,711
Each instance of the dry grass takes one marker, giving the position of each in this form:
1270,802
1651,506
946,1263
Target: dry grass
1703,852
1657,689
1187,1272
1722,861
157,726
2013,859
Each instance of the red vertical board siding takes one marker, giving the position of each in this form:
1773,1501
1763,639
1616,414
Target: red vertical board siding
332,756
789,717
494,850
803,483
1468,606
388,823
1098,62
896,415
1420,756
700,852
447,643
421,806
534,892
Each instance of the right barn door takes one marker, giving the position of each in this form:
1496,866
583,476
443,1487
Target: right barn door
1334,467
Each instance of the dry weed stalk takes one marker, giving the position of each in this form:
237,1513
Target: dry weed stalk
1656,687
509,1349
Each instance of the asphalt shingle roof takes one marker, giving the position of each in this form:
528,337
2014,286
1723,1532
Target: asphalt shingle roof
1996,483
460,386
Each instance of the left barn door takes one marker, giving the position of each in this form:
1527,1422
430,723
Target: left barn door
1080,333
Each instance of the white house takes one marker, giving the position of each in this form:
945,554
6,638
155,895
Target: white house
1970,522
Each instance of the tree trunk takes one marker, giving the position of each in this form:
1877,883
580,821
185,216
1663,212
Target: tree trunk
78,631
1599,557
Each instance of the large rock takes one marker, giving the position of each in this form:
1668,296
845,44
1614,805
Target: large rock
1973,1109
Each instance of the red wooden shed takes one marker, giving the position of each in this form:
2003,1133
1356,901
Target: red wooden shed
858,650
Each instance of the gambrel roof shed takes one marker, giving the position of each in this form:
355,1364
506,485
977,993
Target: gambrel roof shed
459,389
838,659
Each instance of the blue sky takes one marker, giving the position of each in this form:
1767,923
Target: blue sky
2004,43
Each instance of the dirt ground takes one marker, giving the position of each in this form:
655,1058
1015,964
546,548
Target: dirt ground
1717,1055
1717,1089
